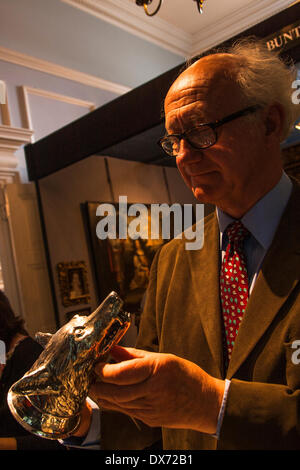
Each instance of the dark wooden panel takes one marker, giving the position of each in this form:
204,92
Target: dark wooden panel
119,121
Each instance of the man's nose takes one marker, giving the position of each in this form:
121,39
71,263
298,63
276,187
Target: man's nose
187,153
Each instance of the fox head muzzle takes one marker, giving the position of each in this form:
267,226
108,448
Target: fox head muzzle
48,399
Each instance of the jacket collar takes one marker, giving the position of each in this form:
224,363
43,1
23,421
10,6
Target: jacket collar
270,291
278,277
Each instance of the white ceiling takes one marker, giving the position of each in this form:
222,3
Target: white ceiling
178,26
184,13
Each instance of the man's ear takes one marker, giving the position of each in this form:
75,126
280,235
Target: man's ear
270,126
274,120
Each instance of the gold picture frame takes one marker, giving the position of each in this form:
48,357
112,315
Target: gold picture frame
73,283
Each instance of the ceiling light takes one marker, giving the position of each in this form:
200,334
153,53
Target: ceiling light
145,4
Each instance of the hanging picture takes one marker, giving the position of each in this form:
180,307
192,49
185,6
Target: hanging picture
72,278
122,265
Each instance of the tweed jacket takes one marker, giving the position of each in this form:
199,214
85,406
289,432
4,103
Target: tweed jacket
182,316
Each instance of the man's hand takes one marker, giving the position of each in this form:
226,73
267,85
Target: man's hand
159,389
85,422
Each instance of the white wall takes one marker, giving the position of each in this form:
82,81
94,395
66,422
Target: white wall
46,113
62,34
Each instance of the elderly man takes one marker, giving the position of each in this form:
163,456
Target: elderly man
214,362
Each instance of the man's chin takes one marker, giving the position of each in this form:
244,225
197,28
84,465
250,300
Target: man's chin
203,195
207,188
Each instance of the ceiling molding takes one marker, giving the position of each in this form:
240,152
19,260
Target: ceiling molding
231,25
133,19
18,58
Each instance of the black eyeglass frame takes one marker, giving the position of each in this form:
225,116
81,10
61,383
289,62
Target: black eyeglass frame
211,125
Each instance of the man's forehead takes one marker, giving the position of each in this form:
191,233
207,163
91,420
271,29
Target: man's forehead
213,67
187,90
208,79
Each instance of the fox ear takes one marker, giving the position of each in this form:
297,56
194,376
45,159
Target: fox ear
43,338
37,382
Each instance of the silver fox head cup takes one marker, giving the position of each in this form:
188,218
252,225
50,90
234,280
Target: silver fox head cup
48,399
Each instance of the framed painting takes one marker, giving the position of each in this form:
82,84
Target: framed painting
72,279
121,264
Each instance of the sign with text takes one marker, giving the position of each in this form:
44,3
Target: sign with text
286,38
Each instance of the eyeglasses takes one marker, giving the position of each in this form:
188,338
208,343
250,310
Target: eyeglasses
199,137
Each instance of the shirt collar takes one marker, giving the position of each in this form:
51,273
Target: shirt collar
263,218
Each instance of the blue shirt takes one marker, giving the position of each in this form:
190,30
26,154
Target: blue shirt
262,221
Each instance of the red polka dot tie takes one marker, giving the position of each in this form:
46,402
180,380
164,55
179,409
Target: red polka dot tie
234,283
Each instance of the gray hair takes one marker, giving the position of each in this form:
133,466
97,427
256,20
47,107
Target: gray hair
263,77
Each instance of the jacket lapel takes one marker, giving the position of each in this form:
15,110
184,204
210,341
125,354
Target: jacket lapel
204,268
272,287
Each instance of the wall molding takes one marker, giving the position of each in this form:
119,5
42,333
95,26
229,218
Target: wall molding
130,18
18,58
56,96
11,139
16,136
25,91
4,110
